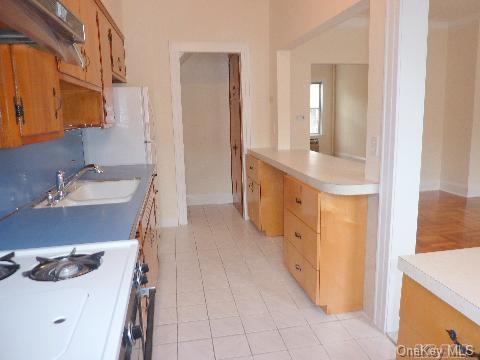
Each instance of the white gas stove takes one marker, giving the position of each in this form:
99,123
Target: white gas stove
59,304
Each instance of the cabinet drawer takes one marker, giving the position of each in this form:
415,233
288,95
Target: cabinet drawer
303,201
253,165
307,277
304,239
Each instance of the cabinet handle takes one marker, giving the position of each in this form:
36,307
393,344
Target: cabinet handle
298,201
298,235
58,102
298,267
463,350
251,167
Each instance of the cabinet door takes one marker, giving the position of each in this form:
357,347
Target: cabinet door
38,89
9,130
118,56
104,29
93,67
73,70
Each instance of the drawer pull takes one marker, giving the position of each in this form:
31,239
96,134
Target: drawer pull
467,352
298,267
298,201
251,167
298,235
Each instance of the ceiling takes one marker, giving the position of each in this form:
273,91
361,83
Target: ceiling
453,10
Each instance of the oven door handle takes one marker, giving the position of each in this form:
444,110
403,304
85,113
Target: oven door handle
150,293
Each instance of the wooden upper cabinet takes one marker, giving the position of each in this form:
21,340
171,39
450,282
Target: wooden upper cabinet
68,69
118,56
104,29
93,67
35,109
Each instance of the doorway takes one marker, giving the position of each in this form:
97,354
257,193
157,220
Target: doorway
239,104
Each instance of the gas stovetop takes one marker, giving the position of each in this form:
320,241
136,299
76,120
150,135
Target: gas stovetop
66,302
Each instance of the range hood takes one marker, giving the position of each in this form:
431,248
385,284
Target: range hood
45,23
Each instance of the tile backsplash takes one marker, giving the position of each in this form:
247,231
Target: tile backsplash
28,172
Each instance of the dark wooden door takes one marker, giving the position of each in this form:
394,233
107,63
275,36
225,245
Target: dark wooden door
236,131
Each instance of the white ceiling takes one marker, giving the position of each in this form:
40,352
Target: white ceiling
453,10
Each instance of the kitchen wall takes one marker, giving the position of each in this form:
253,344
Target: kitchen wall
206,128
29,171
450,145
151,26
351,98
346,43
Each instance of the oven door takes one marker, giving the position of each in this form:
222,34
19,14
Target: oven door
137,339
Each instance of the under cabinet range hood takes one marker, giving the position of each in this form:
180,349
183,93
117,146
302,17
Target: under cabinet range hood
45,23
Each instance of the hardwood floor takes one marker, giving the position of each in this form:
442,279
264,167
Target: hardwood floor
447,221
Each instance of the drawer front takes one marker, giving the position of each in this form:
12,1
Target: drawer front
303,201
304,239
253,201
294,261
253,165
302,271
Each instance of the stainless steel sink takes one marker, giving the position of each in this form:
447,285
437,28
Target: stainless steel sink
85,192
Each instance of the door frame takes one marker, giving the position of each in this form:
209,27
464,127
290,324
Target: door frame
177,49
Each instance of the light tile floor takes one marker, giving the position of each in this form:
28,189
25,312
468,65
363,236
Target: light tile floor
224,293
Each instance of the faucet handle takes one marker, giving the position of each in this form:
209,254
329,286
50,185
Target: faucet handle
97,169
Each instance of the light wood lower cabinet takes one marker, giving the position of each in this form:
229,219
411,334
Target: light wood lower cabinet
425,319
148,237
265,196
325,245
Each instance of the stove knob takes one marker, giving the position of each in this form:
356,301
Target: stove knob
136,332
143,279
144,268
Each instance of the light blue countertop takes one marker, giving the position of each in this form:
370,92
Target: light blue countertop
32,228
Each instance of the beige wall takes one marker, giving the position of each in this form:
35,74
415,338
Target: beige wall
460,90
435,87
351,97
206,128
149,26
347,43
449,156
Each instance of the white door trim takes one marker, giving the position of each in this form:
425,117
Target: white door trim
177,49
404,92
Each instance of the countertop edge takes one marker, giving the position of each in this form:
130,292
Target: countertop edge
440,290
335,189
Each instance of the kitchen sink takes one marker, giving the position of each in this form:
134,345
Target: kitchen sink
86,192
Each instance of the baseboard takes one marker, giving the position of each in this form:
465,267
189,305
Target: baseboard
433,185
454,188
473,190
168,222
209,199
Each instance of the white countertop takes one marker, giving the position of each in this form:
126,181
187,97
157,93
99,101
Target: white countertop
326,173
452,275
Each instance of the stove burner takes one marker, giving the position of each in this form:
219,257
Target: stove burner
64,267
8,266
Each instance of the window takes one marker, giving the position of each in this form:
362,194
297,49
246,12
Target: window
316,109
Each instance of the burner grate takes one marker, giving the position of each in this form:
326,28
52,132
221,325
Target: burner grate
64,267
8,266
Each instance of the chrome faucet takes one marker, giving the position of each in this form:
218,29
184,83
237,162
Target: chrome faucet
62,185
